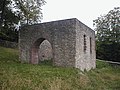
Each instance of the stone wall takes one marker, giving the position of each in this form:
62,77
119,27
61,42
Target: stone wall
8,44
85,47
60,34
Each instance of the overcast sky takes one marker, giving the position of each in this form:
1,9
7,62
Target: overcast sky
84,10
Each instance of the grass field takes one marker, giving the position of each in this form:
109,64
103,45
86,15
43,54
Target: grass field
17,76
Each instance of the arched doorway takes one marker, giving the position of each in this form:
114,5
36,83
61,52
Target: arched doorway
45,51
41,50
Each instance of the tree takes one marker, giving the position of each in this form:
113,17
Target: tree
29,10
8,20
15,13
2,8
108,35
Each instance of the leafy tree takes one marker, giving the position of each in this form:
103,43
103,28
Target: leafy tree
8,20
15,13
29,10
108,35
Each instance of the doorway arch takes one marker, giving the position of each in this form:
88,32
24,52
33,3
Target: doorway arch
45,51
36,50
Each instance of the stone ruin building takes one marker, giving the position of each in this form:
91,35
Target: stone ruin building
72,43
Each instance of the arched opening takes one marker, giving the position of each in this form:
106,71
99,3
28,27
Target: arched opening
41,51
45,52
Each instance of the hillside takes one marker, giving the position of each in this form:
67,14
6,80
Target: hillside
17,76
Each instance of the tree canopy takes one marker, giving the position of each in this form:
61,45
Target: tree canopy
108,35
8,21
29,10
14,13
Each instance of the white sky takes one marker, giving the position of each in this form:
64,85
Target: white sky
84,10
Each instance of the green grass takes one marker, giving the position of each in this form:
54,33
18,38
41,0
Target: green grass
17,76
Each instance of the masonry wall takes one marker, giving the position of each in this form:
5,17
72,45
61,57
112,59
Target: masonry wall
85,59
64,43
8,44
61,35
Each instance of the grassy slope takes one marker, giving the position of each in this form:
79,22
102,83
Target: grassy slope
17,76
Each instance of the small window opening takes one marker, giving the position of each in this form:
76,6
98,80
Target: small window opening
90,45
85,47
